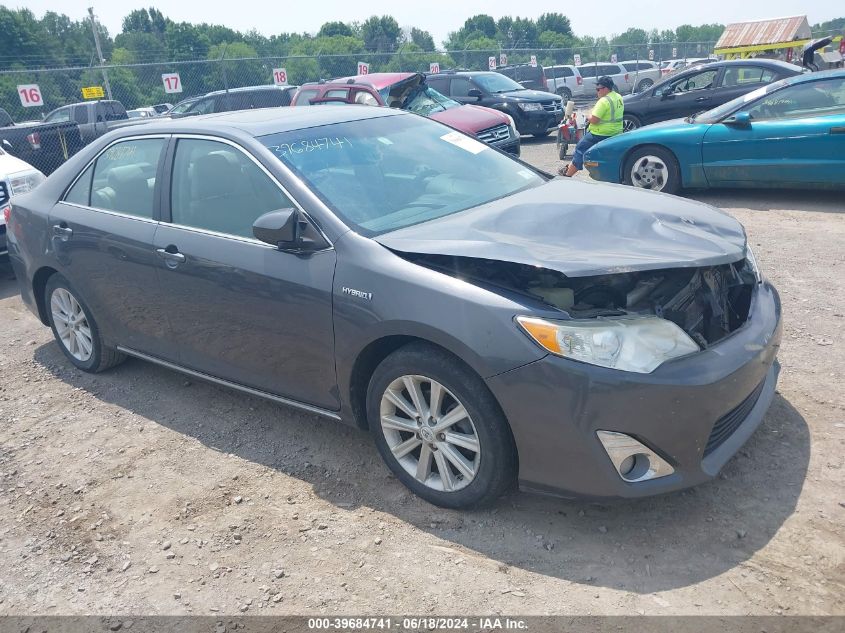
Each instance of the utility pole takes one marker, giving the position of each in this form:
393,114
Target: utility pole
99,51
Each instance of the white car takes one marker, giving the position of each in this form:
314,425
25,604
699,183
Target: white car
16,177
643,73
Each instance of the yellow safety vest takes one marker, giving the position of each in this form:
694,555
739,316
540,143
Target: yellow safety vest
613,125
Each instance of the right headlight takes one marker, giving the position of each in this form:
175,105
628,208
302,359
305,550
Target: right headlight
638,344
752,261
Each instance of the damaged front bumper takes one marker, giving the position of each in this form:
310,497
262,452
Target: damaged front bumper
694,412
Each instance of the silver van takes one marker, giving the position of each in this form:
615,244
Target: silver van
590,72
566,81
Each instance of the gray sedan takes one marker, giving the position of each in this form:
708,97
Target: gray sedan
488,325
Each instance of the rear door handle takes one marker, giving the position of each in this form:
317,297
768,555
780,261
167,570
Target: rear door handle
62,231
171,259
837,130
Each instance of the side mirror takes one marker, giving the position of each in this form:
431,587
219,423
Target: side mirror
740,119
289,231
475,92
667,92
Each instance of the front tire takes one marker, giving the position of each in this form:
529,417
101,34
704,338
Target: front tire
630,122
566,95
562,146
645,84
439,429
652,167
75,329
541,134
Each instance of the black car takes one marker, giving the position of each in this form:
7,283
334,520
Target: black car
247,98
534,112
702,88
488,324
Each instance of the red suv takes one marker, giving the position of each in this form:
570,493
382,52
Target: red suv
409,91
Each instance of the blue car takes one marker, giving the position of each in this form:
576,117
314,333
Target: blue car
787,134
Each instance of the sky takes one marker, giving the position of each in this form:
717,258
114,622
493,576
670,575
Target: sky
438,17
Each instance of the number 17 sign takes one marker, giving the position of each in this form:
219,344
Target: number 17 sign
171,82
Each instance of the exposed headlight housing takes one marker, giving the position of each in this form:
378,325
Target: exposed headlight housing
511,122
25,182
527,106
637,344
752,261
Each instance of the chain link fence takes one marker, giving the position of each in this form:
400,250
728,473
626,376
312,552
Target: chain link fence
142,85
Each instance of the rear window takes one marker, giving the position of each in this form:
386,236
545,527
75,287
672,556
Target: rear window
270,98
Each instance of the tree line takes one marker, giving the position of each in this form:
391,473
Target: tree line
149,37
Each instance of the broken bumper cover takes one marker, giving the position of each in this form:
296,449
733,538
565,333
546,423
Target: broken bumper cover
695,412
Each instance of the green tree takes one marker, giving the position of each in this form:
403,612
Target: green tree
422,39
554,22
330,29
381,34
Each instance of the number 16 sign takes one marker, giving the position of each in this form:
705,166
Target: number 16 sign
171,82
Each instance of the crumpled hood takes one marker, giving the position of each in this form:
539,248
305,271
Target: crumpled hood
582,229
470,118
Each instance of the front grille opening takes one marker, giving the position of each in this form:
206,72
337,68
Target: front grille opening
731,421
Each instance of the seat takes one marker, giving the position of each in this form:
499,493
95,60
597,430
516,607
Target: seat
220,198
131,191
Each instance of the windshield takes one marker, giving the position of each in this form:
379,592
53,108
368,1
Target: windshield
181,108
496,83
426,101
718,113
386,173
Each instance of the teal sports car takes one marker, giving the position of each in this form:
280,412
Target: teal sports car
787,134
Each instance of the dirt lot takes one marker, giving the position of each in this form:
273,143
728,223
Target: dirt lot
139,491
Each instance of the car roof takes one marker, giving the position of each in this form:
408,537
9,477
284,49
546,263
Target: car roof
767,63
249,89
374,80
259,121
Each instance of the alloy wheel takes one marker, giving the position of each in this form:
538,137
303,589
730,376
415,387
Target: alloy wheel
649,172
72,325
430,433
628,125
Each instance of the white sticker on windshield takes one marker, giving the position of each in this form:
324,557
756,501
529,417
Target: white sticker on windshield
525,174
385,141
464,142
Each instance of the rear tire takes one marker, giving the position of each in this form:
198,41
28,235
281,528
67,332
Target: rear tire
566,95
645,84
652,167
75,329
475,449
562,146
541,134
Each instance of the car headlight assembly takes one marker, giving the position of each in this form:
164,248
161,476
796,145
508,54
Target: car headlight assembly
527,106
637,344
752,262
25,182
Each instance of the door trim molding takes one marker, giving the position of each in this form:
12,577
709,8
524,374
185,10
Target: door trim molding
232,385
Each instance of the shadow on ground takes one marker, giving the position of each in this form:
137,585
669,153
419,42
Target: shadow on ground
642,546
771,199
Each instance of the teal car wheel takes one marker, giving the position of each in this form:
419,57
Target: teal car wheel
653,168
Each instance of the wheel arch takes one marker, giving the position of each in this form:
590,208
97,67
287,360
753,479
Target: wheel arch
39,283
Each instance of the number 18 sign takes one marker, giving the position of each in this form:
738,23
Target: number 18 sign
171,82
280,76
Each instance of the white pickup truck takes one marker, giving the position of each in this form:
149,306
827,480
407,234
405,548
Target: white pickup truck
16,177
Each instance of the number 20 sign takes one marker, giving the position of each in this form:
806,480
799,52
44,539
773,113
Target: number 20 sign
171,82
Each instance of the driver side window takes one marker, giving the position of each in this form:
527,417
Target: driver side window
698,81
813,98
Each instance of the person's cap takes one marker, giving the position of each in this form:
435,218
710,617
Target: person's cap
605,82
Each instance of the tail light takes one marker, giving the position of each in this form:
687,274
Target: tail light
580,80
545,83
7,214
34,140
626,78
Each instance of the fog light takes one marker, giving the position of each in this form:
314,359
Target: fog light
633,460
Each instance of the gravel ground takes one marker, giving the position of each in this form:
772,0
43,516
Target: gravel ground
138,491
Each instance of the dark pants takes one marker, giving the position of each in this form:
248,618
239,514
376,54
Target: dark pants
589,139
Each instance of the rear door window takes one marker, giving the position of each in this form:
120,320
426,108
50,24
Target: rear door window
461,87
440,84
80,193
124,177
745,75
304,97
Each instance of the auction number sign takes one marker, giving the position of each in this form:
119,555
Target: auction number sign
613,58
503,59
171,82
577,59
30,95
434,67
674,52
363,68
491,62
651,54
534,61
280,76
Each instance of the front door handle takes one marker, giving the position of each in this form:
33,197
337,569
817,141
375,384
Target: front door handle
62,231
171,258
837,130
703,99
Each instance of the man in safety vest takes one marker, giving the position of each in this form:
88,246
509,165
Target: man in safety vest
605,121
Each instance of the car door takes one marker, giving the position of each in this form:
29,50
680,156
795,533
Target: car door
240,309
687,94
796,135
102,235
